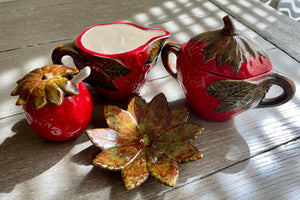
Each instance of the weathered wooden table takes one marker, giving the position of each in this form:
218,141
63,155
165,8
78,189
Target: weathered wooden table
253,156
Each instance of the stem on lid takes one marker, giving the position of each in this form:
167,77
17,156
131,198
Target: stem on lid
84,73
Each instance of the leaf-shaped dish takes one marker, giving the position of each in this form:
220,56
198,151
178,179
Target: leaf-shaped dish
146,139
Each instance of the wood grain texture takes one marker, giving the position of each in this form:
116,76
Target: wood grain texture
64,20
253,156
258,179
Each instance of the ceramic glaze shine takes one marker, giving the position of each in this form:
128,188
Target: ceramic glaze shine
117,38
120,55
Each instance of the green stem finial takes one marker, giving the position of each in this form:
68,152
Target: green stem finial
229,28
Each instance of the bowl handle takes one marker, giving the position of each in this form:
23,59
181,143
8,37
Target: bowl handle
285,83
170,47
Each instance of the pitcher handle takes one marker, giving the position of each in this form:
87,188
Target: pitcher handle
285,83
70,49
170,47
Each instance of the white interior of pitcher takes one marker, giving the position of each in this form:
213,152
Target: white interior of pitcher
117,38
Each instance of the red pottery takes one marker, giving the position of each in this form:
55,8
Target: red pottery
224,73
119,54
55,107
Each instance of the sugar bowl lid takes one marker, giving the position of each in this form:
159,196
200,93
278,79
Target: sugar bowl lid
228,52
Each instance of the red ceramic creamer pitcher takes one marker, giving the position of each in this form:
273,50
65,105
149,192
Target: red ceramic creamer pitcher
224,73
119,54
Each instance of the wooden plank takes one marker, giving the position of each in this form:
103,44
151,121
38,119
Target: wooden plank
285,64
271,175
39,23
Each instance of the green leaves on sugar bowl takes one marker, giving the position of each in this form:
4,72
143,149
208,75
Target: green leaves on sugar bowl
146,139
237,94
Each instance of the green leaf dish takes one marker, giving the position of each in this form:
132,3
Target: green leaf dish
146,139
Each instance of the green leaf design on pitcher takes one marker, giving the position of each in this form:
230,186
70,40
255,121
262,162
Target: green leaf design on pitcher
154,50
104,69
106,72
236,94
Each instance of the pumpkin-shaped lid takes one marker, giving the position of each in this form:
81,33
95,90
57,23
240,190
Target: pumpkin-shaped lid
229,53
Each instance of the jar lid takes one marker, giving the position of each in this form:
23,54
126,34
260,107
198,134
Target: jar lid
229,53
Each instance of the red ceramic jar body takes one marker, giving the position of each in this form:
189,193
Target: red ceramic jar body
194,82
64,122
